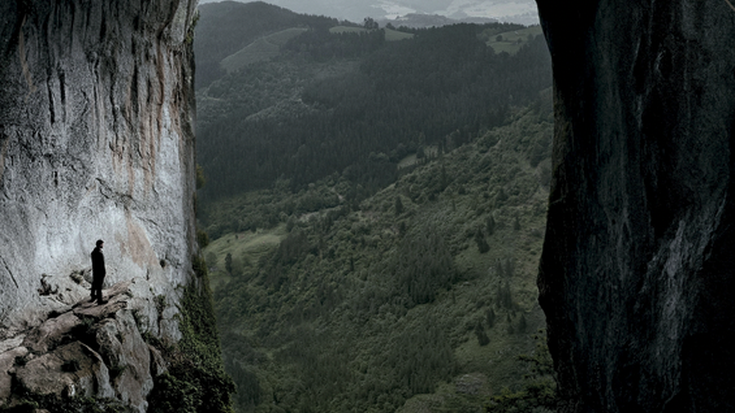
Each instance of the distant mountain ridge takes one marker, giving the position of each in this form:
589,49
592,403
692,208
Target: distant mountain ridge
513,11
419,21
325,99
226,27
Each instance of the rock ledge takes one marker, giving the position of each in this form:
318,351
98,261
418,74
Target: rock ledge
91,350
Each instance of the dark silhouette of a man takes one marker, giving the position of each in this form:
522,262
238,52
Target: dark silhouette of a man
98,272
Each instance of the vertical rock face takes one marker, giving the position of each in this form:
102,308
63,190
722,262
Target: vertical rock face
638,273
96,141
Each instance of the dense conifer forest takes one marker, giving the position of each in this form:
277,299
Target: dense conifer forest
373,214
355,104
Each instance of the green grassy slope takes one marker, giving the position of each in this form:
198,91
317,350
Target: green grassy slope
393,35
419,297
247,248
262,49
390,34
226,27
268,47
511,41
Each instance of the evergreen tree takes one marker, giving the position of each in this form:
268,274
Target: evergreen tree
490,318
398,206
482,244
482,337
522,324
490,225
228,263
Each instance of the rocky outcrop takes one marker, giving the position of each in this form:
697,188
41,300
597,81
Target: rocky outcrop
96,142
91,350
637,274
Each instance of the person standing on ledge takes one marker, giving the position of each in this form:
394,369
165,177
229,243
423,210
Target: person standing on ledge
98,272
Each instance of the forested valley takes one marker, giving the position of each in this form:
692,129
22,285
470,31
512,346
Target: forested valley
372,208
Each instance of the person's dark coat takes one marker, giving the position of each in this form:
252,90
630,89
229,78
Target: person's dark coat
98,273
98,263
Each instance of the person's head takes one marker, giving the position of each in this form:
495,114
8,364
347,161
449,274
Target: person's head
100,243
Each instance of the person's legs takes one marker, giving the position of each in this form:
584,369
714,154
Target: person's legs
99,292
96,290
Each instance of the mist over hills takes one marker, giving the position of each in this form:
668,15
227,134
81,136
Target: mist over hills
513,11
228,26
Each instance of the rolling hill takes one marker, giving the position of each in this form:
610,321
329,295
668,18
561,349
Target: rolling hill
515,11
376,210
225,28
332,96
420,295
262,49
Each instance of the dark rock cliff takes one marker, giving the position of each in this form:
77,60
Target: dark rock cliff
637,273
96,141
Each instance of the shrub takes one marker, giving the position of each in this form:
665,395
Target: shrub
539,393
482,244
202,238
424,265
482,337
196,381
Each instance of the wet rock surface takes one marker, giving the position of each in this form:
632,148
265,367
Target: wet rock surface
637,273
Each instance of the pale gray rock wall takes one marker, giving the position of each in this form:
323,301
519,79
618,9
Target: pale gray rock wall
96,141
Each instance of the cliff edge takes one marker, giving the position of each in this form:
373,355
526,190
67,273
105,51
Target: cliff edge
636,277
96,142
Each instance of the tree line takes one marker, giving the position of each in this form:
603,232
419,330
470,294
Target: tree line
387,99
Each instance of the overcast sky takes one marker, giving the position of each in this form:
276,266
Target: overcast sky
520,11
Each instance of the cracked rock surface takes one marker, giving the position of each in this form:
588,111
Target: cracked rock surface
96,142
91,350
637,273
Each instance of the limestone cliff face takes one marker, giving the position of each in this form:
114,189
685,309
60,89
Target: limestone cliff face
638,273
96,141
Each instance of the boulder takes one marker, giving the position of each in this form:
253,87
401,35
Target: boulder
128,358
51,333
92,350
8,360
69,371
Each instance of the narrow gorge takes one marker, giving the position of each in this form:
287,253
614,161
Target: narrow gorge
97,142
